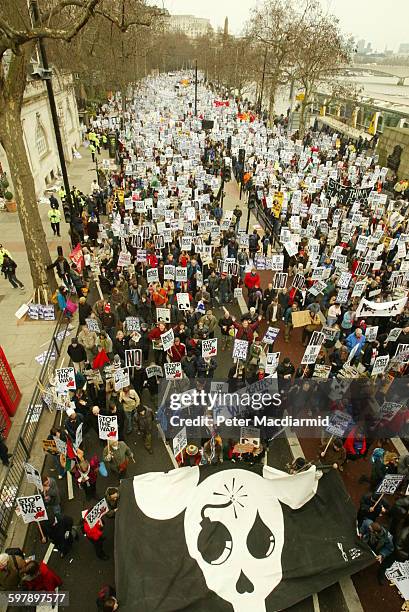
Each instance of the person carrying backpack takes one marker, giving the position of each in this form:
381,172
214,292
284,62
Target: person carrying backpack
9,270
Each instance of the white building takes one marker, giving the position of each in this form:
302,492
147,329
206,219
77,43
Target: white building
189,24
38,129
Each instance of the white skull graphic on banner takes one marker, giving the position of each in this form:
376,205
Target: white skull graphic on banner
234,525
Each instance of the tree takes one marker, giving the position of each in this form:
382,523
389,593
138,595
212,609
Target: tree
60,20
321,53
274,27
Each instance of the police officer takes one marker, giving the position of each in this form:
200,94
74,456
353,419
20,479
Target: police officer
55,217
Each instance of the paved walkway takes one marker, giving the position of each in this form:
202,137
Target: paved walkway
22,341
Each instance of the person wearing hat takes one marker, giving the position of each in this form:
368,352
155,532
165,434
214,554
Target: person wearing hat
77,354
86,476
117,455
72,422
191,456
11,567
144,419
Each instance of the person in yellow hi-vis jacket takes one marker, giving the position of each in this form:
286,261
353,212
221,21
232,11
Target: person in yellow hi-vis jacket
54,216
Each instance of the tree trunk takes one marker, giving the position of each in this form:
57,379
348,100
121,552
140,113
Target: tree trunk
11,137
273,89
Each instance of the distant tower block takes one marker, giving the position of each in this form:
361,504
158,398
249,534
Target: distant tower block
226,27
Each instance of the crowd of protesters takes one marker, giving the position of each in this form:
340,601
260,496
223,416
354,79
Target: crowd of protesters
170,267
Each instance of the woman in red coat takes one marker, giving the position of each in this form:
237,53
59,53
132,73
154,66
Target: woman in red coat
95,535
355,444
39,577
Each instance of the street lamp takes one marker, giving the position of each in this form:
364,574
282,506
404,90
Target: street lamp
195,87
44,73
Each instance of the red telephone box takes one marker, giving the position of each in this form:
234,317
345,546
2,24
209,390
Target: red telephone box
10,394
5,422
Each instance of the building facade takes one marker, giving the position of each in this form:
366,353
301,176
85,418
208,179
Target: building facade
189,24
38,129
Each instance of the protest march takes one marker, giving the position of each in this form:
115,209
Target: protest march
296,293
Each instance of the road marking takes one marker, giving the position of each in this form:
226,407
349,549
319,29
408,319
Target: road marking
48,553
347,586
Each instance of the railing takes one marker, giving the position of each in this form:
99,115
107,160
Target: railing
10,486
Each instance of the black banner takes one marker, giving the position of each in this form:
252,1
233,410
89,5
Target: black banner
232,537
347,195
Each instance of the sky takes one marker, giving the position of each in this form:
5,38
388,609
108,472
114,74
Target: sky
373,20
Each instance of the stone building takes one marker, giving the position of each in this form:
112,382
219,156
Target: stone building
189,24
38,129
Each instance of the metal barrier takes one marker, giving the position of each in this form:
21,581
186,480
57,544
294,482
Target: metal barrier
11,483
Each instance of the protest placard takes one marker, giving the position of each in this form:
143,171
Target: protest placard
33,476
371,333
124,259
317,338
321,371
301,318
108,427
209,347
388,410
389,484
240,349
173,370
179,442
163,315
121,379
270,335
272,361
154,370
32,508
181,274
133,358
169,272
183,301
339,423
65,380
250,435
310,355
97,512
159,241
280,280
132,324
167,339
298,281
152,275
380,365
49,446
92,325
394,334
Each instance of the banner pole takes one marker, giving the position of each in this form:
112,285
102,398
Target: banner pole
326,448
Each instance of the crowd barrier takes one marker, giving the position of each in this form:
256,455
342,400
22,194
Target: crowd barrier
9,488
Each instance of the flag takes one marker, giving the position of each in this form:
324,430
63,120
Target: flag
233,537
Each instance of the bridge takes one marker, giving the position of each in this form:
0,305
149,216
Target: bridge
400,72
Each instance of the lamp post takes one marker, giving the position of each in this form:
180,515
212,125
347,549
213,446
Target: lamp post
196,88
35,17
